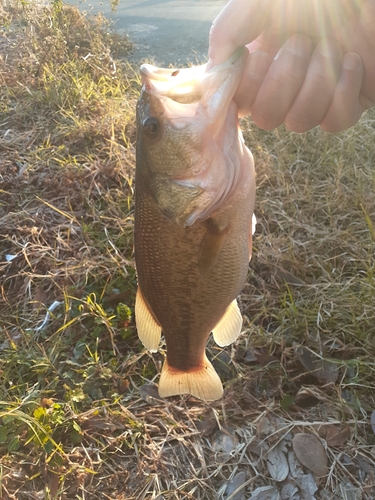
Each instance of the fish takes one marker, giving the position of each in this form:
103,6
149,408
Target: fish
193,222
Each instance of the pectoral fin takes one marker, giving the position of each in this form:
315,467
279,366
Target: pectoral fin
149,331
211,245
202,382
251,232
229,327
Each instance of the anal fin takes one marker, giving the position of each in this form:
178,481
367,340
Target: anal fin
229,327
202,382
149,331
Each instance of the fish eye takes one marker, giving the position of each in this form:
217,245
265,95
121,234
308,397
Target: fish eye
151,127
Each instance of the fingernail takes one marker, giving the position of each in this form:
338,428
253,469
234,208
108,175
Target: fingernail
258,64
298,45
352,62
329,48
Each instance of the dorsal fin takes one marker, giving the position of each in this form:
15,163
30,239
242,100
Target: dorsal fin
229,327
149,331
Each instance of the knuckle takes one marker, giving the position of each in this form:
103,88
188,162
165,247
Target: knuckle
266,119
299,121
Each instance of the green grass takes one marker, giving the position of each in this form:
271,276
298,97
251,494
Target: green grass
79,416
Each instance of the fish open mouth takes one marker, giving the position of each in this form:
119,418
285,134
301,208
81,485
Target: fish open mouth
180,85
199,120
185,85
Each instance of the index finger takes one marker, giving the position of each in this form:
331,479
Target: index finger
238,24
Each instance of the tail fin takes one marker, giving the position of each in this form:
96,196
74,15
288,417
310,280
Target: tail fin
202,382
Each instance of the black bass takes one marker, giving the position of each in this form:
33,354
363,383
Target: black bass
194,202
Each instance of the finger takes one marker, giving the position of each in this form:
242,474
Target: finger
314,18
240,22
255,70
360,38
345,108
282,83
314,98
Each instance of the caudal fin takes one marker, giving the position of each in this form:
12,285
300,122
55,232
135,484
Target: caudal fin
202,382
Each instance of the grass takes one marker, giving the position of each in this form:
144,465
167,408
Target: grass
79,412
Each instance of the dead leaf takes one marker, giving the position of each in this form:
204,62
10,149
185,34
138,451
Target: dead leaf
115,298
348,491
40,299
373,421
53,485
235,484
364,464
250,356
123,385
257,448
277,464
308,486
100,423
264,359
270,424
337,435
150,394
304,356
295,466
310,453
224,443
290,492
206,426
287,277
46,402
305,399
265,493
324,370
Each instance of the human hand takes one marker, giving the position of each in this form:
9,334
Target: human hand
310,62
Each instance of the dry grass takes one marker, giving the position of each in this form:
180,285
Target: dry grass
80,416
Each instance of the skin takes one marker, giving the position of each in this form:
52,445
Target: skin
310,63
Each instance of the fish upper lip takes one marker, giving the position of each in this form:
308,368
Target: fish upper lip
183,85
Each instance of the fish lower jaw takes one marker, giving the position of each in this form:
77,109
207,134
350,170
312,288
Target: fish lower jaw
200,381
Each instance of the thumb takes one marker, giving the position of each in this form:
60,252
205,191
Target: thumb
239,23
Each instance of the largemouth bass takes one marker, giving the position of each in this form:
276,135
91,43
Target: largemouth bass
194,201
